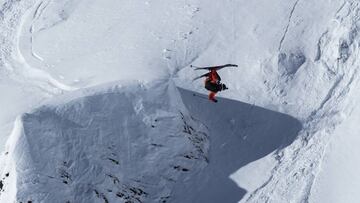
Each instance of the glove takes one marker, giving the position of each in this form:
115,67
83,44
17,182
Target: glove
224,87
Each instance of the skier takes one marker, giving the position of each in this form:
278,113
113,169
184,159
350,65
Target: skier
212,81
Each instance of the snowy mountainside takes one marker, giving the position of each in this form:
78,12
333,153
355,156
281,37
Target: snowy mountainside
338,53
298,60
306,65
118,144
51,47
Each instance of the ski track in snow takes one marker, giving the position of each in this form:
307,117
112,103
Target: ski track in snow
37,13
288,24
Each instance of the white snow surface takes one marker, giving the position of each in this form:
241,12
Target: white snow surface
97,101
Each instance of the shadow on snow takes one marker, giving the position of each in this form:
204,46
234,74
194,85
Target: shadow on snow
240,133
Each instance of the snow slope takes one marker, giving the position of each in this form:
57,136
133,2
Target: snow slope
339,168
240,134
338,180
101,41
309,72
115,144
298,66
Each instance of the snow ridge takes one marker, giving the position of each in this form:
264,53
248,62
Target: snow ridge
131,148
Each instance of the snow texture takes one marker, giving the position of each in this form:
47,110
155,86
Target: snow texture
112,145
97,101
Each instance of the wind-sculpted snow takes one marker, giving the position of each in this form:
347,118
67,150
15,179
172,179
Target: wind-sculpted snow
128,144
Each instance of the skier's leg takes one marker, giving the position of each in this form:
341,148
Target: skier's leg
212,96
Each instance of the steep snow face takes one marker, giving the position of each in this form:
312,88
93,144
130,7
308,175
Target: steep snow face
113,144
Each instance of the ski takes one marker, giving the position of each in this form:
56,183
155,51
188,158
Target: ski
213,67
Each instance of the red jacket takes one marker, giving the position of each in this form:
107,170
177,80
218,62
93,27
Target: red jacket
213,77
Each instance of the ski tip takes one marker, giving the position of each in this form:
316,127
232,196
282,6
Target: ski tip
233,65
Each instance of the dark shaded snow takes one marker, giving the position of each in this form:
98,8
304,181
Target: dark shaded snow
129,144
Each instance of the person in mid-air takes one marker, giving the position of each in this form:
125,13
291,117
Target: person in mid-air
212,81
213,84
